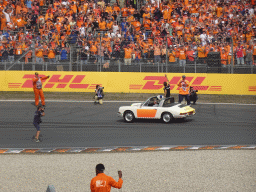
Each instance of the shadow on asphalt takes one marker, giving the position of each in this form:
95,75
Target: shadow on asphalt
157,121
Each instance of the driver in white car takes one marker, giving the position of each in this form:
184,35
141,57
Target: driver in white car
155,103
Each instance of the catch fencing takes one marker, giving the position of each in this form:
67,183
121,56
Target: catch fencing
103,53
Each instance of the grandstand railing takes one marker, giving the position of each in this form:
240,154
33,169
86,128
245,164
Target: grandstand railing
115,66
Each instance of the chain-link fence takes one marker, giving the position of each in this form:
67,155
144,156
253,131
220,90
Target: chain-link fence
104,52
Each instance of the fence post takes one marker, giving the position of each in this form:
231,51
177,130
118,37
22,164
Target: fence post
46,67
184,69
5,66
33,55
166,56
195,65
158,67
252,68
22,66
100,52
70,59
77,57
232,56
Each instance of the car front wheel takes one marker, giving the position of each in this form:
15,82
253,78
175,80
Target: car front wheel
167,117
129,116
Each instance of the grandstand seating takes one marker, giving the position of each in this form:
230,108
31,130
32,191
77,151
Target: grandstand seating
149,31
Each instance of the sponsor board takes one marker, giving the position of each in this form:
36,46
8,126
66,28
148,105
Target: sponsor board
235,84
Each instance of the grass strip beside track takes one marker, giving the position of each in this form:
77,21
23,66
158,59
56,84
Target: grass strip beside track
244,99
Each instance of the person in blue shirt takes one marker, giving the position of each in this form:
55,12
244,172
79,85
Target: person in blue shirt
123,25
64,54
6,34
129,36
73,37
29,4
37,120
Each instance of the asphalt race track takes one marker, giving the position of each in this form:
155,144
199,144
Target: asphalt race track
76,124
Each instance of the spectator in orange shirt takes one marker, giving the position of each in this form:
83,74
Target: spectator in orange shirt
102,182
184,90
40,55
157,54
182,56
224,58
190,53
171,56
51,55
128,55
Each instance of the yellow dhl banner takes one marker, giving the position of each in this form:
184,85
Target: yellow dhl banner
235,84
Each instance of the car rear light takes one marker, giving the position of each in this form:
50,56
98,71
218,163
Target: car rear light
183,113
191,113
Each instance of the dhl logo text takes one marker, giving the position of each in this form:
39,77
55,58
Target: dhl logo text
156,83
70,81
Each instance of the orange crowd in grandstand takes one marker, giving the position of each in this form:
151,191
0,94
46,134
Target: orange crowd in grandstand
179,31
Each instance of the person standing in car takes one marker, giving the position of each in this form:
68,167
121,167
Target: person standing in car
167,87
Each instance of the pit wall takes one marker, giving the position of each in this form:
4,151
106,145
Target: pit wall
122,82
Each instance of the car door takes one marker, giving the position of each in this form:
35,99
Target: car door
147,110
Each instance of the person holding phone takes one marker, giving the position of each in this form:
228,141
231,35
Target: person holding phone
37,120
184,90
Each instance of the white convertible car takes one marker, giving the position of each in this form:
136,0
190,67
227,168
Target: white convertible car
156,108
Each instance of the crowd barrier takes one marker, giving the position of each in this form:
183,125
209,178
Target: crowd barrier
234,84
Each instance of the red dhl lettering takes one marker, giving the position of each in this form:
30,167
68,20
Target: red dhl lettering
56,79
156,82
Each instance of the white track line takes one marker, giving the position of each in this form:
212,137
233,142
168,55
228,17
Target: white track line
73,101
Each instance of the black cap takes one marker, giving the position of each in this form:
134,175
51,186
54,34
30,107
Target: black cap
36,73
183,76
100,167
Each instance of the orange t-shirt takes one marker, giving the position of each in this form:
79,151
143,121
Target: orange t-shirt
39,53
172,56
224,58
19,50
137,25
182,55
201,52
51,54
102,25
127,53
183,87
124,12
103,183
